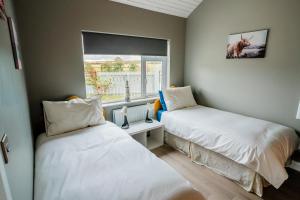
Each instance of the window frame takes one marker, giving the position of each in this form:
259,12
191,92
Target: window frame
144,60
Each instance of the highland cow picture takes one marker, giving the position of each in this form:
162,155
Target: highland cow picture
247,45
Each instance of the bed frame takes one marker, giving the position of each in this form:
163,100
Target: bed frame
240,174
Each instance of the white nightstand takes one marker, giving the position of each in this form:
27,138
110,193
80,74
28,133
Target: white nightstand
151,135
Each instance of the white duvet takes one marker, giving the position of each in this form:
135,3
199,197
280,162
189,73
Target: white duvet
260,145
101,162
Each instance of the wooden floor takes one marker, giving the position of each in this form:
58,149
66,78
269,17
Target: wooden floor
215,187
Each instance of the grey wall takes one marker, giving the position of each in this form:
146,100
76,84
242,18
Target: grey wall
14,120
267,88
51,35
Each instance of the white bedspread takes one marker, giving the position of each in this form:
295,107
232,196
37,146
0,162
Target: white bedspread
260,145
101,162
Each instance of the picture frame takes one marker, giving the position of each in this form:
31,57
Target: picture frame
14,43
251,44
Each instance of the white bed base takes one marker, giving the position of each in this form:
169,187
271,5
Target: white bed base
242,175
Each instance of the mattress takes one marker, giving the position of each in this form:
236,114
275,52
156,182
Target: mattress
103,162
259,145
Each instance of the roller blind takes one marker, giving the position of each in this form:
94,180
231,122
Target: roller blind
111,44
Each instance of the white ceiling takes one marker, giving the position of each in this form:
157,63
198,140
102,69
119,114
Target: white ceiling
180,8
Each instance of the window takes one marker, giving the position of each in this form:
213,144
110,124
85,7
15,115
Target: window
111,60
155,68
106,75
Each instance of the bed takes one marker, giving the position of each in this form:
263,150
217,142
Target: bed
250,151
103,162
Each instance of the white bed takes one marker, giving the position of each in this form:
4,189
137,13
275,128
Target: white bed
103,162
260,146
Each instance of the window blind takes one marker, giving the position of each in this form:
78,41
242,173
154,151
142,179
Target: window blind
111,44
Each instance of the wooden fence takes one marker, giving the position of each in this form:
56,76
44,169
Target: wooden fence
117,83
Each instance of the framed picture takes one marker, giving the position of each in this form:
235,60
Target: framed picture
14,43
2,10
247,45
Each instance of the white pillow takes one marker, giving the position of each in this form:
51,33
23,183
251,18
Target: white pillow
179,97
64,116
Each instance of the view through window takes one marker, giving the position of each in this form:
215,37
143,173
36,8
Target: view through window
106,75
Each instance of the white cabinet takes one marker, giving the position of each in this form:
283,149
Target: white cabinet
151,135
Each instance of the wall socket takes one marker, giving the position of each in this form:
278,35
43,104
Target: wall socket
5,147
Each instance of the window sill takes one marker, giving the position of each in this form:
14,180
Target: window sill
131,103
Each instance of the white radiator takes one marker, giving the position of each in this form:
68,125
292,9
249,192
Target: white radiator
134,114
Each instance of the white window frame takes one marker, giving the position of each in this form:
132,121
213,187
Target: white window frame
144,59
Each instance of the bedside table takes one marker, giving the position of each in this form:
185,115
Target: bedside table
151,135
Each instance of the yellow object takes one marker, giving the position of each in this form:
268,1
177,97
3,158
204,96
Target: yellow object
156,107
72,97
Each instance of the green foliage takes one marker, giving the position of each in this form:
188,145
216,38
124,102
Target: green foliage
133,67
94,80
112,67
105,67
117,67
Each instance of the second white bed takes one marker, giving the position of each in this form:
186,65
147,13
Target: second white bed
262,146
